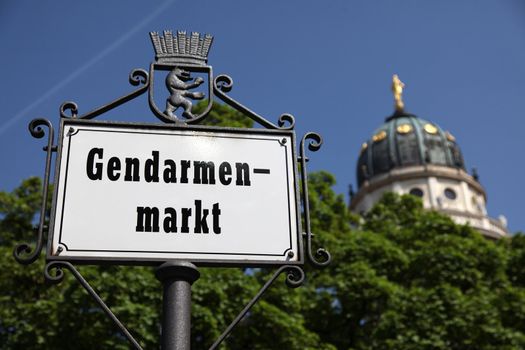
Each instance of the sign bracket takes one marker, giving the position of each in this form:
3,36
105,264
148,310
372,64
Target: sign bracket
294,279
58,276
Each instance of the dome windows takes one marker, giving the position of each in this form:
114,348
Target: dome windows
380,136
431,129
404,129
450,193
416,191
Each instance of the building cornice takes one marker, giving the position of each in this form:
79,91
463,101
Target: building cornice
414,172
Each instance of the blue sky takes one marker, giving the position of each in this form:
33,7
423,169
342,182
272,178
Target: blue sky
329,63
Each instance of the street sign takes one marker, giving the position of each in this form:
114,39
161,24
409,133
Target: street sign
177,194
152,193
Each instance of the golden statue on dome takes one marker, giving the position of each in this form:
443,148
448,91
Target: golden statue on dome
397,89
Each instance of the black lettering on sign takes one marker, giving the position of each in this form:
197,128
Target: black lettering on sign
94,171
225,171
185,165
216,212
201,215
113,168
151,168
147,219
186,214
170,171
204,172
243,174
132,170
170,220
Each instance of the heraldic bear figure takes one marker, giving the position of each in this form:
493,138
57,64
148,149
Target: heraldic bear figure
177,84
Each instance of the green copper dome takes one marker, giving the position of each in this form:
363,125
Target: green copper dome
406,140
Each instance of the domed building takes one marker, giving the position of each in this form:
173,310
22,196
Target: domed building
408,154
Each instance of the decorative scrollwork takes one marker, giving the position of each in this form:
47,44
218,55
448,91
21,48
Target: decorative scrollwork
223,84
70,106
314,144
324,256
316,141
286,118
35,127
295,277
138,76
24,248
56,277
23,252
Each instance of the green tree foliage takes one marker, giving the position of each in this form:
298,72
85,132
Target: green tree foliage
408,278
401,278
222,115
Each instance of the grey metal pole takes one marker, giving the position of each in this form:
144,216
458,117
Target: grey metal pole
177,278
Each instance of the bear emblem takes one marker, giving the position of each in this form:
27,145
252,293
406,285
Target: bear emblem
179,82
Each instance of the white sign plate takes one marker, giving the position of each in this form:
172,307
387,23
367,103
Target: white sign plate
153,193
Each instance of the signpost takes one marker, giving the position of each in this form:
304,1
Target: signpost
176,195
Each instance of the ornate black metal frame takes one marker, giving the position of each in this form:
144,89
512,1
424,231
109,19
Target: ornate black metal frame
222,84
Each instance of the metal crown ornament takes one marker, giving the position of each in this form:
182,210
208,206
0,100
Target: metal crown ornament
181,48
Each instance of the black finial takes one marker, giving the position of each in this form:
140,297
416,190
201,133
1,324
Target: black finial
475,174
